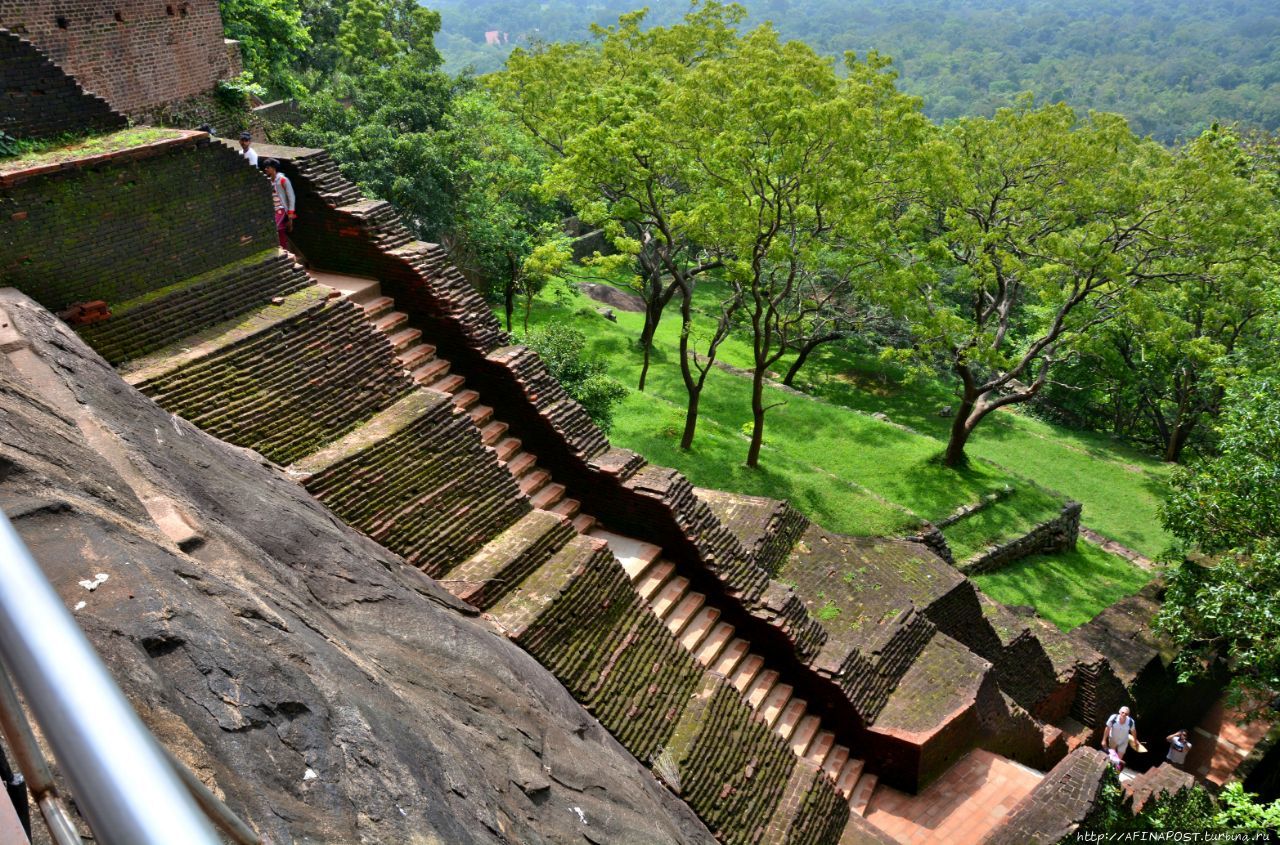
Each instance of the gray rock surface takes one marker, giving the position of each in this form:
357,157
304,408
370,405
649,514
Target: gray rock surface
328,691
613,297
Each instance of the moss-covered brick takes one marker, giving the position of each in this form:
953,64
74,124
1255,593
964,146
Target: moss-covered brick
286,386
39,100
122,229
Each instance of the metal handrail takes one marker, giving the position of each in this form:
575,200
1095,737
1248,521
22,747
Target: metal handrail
122,780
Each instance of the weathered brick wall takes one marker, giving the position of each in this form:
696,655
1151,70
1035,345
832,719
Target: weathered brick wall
130,226
206,300
287,390
39,100
1053,535
1059,804
137,54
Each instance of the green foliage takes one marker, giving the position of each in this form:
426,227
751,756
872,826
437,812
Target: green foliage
1172,68
583,376
272,38
1240,810
234,93
9,145
1228,507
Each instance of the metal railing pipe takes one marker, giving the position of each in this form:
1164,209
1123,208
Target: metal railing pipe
119,776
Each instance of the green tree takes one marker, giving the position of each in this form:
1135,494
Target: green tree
1033,231
272,37
1226,508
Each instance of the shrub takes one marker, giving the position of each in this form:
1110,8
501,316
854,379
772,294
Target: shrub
583,377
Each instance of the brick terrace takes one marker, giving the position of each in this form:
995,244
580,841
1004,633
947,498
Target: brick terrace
1220,743
961,807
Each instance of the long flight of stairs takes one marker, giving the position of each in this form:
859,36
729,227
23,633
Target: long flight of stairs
431,371
685,613
714,645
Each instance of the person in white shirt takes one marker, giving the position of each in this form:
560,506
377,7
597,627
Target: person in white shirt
286,200
1179,745
247,152
1118,733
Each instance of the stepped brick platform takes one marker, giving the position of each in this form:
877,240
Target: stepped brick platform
767,528
284,382
160,318
1224,739
778,707
39,100
1156,784
417,479
961,808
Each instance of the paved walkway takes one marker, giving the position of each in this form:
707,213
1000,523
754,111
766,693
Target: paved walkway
1220,743
960,808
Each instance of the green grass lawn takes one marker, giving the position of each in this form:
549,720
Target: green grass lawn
850,472
1068,588
1119,487
855,474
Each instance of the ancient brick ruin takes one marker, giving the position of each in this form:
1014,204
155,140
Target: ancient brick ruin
774,675
135,54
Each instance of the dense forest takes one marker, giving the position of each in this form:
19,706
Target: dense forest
1171,67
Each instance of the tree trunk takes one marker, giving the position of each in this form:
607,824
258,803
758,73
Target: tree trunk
652,313
1177,441
790,377
757,415
692,386
690,420
509,303
961,428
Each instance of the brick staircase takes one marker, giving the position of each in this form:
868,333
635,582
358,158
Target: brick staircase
685,614
433,372
713,643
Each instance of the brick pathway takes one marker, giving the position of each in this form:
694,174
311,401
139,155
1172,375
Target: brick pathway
1219,743
959,808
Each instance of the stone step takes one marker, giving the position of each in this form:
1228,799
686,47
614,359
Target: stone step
356,288
684,612
507,448
531,482
732,661
821,747
521,463
771,706
634,555
465,399
653,578
790,719
492,433
862,793
761,687
481,414
670,594
433,370
714,644
804,734
449,384
547,497
849,777
568,508
375,308
391,321
835,761
699,628
584,524
405,338
416,356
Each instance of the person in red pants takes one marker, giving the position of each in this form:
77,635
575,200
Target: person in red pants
286,201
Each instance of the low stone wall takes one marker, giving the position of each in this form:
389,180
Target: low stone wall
133,223
39,100
1056,534
1059,804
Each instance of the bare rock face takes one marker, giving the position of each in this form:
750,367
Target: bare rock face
328,691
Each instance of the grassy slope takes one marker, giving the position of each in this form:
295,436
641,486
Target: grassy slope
1068,588
1119,487
850,472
